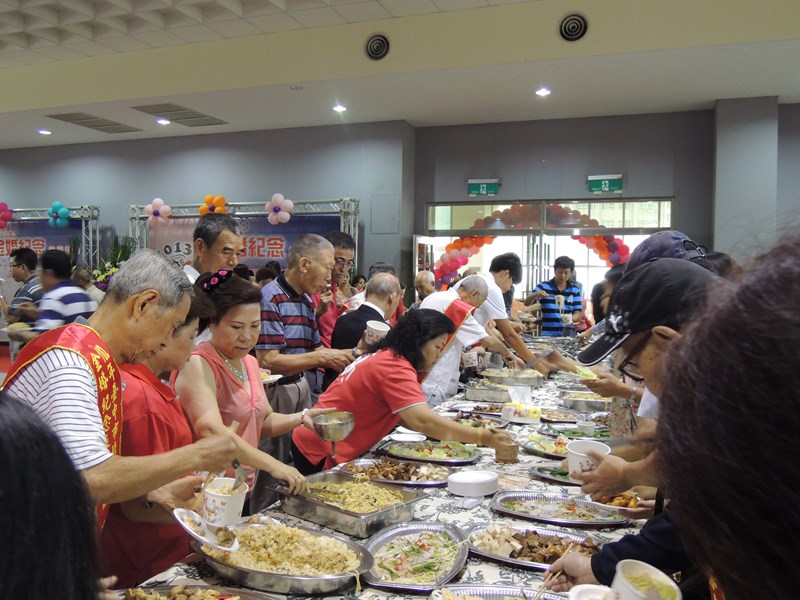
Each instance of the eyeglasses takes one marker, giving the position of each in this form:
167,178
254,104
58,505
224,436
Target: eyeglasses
342,262
631,371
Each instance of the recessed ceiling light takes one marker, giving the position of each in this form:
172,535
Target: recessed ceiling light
339,108
296,88
542,92
163,121
45,132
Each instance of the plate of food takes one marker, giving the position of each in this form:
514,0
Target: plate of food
557,509
267,377
417,557
223,539
546,447
447,453
485,422
490,408
572,432
406,473
191,592
554,474
559,415
525,547
618,503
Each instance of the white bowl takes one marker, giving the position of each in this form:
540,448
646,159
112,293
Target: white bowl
577,458
407,437
588,591
472,483
623,589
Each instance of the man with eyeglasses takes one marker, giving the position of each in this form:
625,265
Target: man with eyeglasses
23,265
649,306
329,307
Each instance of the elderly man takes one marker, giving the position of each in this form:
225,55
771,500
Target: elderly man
289,343
218,244
70,377
327,303
458,304
425,285
82,277
23,264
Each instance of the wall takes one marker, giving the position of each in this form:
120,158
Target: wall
660,155
361,161
788,205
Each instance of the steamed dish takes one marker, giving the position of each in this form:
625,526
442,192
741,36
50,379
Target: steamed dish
418,558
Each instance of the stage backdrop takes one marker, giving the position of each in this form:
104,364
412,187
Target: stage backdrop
262,242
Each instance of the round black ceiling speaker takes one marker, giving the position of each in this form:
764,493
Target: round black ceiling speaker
573,27
377,46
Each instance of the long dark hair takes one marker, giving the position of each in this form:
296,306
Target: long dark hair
728,432
46,515
412,331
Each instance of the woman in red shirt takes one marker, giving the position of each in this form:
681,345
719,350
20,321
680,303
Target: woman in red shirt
382,389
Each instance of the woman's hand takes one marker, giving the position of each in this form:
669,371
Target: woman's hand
106,585
607,385
308,419
575,568
296,482
608,478
495,438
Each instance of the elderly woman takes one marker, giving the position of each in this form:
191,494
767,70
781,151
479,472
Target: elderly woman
222,382
382,389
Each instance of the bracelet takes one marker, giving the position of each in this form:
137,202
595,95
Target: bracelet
302,416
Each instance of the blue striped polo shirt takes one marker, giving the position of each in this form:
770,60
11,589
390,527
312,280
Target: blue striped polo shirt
63,304
551,316
288,322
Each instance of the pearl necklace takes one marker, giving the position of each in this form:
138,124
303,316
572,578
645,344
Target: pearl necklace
240,375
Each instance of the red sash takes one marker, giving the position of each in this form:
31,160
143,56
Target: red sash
716,591
457,312
84,341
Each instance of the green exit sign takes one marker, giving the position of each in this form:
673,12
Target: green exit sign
479,187
598,184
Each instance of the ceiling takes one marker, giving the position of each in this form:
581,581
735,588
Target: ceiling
264,64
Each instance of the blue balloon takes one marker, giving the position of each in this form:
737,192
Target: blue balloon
63,213
57,206
62,223
52,222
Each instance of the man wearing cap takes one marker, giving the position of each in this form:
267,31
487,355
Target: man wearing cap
665,244
649,306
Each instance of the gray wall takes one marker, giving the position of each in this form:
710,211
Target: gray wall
659,155
788,205
361,161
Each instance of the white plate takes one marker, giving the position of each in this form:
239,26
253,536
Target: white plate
272,378
402,429
408,437
183,515
524,420
468,406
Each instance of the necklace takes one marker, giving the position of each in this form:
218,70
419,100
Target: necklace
240,375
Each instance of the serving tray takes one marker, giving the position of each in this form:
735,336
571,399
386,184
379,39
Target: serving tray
605,518
394,449
366,462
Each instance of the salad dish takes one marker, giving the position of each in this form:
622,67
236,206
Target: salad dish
572,432
486,422
417,557
448,453
547,447
525,547
556,509
554,474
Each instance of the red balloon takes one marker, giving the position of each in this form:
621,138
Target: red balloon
623,249
581,239
623,258
497,214
591,242
445,270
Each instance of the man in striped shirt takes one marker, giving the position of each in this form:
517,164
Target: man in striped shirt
560,299
62,302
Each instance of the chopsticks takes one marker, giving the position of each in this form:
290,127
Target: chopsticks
551,576
198,502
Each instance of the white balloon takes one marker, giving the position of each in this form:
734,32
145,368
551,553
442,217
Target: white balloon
277,198
287,205
283,217
148,210
165,211
158,203
272,218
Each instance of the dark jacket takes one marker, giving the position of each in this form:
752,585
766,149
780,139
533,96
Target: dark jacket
347,333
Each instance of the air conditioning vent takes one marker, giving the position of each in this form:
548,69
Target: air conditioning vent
180,115
377,47
574,27
94,122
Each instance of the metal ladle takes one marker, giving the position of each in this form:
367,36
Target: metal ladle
334,427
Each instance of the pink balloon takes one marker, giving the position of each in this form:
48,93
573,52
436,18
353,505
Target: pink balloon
283,217
157,203
148,210
6,215
277,198
287,205
445,258
3,224
165,211
463,260
454,264
466,252
272,218
454,254
3,207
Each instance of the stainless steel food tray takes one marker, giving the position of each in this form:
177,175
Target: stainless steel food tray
532,382
494,592
571,416
385,449
571,431
360,525
379,540
365,462
516,562
481,394
605,518
165,589
582,405
292,584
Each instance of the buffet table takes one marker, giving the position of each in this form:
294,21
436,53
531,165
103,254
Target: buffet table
444,507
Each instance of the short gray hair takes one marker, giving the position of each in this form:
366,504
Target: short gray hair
382,285
150,270
308,244
210,226
475,283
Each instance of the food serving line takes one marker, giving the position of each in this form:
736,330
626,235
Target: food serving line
519,483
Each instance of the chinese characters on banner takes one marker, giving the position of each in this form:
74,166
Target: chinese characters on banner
262,242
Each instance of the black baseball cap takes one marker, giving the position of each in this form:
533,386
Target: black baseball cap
666,292
664,244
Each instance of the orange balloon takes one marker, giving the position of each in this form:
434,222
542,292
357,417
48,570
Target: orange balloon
468,243
458,244
479,242
219,200
448,248
605,254
209,199
221,210
443,288
488,240
204,209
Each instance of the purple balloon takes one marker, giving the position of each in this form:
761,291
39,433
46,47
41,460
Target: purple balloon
614,259
276,209
608,238
613,246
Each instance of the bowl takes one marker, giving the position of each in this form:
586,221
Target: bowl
472,483
588,591
335,426
579,461
622,587
408,437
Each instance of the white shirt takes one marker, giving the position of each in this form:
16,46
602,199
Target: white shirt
61,389
494,308
442,381
650,406
375,307
192,273
356,300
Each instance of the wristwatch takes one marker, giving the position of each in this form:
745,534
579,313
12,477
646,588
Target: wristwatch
303,416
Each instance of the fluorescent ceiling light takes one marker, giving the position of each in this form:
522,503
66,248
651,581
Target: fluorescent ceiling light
339,108
542,92
45,132
163,121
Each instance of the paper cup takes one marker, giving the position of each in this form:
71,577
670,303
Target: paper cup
586,427
623,589
376,330
576,454
220,508
470,359
566,319
507,453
